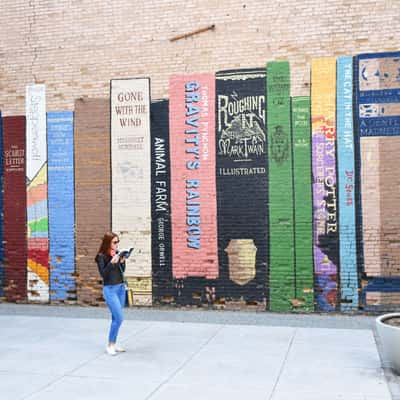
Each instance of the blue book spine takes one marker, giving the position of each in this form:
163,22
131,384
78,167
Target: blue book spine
60,131
349,282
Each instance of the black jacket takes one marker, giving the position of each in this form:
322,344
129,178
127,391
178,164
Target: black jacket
111,273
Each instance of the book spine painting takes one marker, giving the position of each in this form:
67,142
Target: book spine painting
346,186
326,233
242,192
131,180
36,180
304,268
14,203
193,202
60,141
163,284
280,188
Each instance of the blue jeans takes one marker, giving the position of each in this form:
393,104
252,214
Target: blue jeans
114,296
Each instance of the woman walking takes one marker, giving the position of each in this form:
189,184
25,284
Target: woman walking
111,268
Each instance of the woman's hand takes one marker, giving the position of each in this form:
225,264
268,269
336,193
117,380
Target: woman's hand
115,259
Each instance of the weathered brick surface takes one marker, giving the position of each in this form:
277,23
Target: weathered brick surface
377,94
92,192
36,194
242,188
76,47
60,139
193,190
131,180
346,174
326,235
15,243
163,286
304,268
389,149
280,188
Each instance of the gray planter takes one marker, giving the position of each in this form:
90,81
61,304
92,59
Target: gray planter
390,337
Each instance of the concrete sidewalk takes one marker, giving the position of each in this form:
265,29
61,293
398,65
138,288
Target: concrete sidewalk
47,357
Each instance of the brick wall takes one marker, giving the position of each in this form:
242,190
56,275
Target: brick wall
76,47
242,187
60,135
131,180
193,189
92,192
15,243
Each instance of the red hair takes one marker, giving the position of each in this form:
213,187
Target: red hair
105,246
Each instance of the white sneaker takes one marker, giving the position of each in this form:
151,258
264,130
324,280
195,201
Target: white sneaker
119,349
111,350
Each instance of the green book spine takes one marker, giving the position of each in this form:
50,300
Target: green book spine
281,269
301,139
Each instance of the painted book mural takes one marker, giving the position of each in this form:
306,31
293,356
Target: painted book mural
326,234
36,181
349,287
163,283
92,192
60,141
232,193
378,130
280,189
193,200
242,167
14,173
131,180
303,266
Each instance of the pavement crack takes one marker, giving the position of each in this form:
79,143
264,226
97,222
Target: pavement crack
190,358
283,365
70,372
42,388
